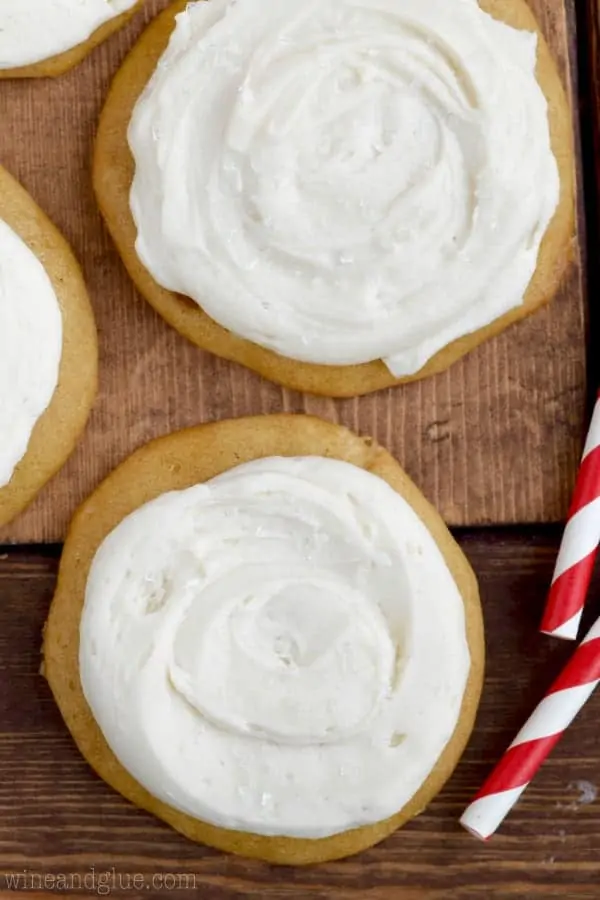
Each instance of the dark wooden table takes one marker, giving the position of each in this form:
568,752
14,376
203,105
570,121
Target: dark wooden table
55,815
57,818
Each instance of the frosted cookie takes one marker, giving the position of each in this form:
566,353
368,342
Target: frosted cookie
265,635
353,194
48,352
48,37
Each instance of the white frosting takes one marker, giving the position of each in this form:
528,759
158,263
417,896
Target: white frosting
33,30
344,180
30,347
280,650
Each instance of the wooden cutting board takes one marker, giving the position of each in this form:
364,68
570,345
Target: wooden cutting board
495,439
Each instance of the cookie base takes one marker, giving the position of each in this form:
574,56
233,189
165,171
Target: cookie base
177,462
58,429
113,174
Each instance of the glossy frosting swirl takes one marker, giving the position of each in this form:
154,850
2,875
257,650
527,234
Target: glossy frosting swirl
344,180
280,650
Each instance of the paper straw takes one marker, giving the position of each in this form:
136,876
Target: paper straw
579,544
536,739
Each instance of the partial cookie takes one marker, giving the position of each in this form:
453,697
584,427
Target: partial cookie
88,36
179,462
113,178
48,397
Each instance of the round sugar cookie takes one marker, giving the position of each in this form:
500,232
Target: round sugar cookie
177,462
57,430
113,174
57,65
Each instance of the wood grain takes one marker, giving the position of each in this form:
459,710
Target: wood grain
495,439
57,817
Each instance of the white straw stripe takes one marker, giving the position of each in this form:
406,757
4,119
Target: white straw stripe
569,629
593,435
580,538
554,713
483,816
593,633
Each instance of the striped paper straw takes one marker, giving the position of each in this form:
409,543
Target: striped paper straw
580,541
536,739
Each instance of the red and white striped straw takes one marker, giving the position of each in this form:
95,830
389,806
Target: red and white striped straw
536,739
579,544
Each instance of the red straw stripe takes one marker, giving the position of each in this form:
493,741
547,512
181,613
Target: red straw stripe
583,668
518,766
587,487
566,593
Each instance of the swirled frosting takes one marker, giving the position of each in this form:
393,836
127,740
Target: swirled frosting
34,30
30,347
344,180
280,650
